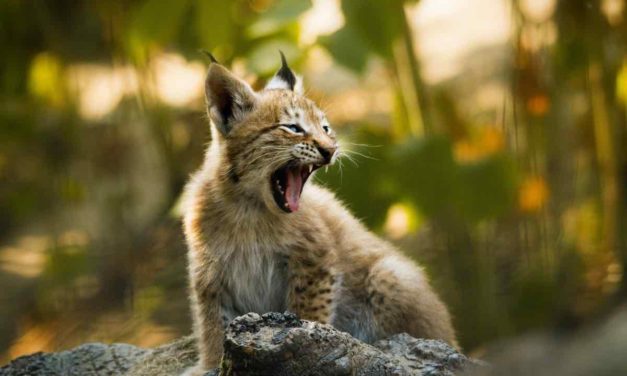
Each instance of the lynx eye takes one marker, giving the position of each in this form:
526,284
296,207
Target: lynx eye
293,128
326,129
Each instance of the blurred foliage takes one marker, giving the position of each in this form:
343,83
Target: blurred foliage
521,222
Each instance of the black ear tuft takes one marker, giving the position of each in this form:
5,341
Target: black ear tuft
209,55
285,79
285,73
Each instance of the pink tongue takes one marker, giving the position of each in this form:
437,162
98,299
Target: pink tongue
294,186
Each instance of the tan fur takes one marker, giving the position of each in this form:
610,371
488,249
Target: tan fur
319,262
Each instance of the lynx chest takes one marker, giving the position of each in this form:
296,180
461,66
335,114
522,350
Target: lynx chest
255,280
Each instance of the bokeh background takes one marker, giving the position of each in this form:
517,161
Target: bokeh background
487,138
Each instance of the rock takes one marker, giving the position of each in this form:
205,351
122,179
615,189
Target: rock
280,344
269,344
89,359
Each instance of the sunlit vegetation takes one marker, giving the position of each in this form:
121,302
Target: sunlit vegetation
487,138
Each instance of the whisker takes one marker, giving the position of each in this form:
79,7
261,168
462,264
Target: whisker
341,168
360,154
350,158
362,145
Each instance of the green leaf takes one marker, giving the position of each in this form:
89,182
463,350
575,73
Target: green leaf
287,10
430,177
158,21
621,83
214,23
347,48
379,23
282,13
486,188
426,173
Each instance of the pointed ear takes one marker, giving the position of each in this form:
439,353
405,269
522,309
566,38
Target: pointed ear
229,99
285,78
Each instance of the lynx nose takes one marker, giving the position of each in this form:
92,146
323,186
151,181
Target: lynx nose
327,152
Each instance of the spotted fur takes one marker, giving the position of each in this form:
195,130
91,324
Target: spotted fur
245,254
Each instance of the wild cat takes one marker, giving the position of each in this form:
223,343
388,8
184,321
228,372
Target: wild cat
262,238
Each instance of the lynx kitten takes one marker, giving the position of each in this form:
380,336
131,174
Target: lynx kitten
262,238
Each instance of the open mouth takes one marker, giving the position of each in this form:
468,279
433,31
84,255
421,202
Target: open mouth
287,184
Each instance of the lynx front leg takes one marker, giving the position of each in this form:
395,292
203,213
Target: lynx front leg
207,316
311,293
208,329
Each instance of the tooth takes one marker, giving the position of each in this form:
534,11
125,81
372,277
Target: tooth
310,168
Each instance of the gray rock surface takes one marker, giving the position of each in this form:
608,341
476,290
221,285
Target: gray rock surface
280,344
269,344
88,359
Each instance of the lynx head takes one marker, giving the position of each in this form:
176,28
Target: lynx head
270,141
